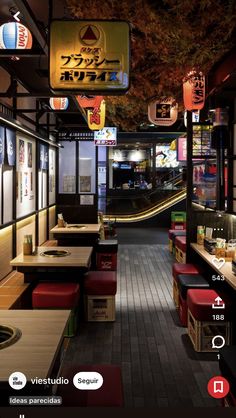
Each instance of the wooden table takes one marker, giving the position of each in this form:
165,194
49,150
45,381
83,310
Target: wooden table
225,270
35,353
36,265
77,234
77,229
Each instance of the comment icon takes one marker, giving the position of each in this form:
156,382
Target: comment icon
218,341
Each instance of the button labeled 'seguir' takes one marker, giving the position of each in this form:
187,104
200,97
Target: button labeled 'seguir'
88,380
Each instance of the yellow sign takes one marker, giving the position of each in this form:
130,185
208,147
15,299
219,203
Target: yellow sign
89,56
96,117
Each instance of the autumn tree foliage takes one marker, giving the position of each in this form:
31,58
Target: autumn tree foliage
168,38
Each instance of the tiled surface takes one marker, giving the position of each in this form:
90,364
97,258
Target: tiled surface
159,366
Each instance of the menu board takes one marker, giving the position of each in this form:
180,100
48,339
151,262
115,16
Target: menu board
52,176
25,175
202,141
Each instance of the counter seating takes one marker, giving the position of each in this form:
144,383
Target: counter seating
201,326
110,394
172,236
99,294
186,282
227,366
180,249
179,268
50,243
58,296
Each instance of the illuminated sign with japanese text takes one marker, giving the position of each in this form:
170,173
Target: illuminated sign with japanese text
106,136
163,112
89,56
96,116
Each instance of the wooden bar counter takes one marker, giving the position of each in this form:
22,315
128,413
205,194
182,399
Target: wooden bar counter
225,270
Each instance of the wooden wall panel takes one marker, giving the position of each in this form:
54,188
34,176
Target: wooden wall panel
42,226
5,251
25,227
52,220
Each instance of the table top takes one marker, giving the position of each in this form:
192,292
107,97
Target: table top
35,352
225,270
78,257
77,229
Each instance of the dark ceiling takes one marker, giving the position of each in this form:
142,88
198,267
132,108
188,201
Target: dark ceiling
168,37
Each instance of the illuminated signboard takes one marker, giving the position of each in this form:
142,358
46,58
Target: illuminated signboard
89,56
106,136
96,116
163,112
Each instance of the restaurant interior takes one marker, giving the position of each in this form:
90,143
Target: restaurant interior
117,203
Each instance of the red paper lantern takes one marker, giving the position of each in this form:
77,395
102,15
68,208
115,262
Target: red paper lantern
59,103
89,101
194,91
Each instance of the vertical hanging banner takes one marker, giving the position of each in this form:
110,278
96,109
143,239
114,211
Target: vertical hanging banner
163,112
43,157
11,146
96,117
194,91
2,144
89,56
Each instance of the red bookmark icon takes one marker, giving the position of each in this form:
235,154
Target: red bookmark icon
218,387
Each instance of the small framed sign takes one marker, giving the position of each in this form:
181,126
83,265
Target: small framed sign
86,199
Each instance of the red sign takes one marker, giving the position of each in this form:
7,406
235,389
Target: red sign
194,91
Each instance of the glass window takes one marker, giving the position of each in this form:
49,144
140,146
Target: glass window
87,167
67,168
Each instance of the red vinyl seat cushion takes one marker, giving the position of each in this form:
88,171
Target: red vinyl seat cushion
200,302
56,295
110,394
180,242
179,268
100,283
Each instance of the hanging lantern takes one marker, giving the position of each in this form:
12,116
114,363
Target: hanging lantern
96,117
89,101
194,91
14,35
59,103
163,112
195,117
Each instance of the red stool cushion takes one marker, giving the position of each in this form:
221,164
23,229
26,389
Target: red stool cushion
56,295
180,242
179,268
200,302
100,283
109,394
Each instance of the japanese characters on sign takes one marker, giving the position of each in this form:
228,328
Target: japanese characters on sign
163,112
194,91
89,56
96,116
106,137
